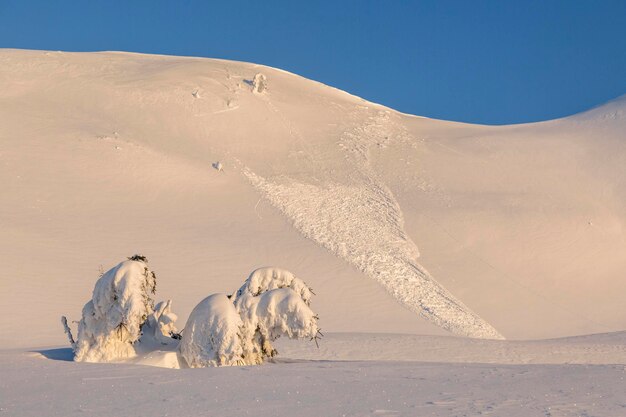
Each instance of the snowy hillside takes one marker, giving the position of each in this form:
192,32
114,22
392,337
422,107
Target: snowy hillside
400,224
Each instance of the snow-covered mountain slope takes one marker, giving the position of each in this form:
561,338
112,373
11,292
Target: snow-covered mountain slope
397,222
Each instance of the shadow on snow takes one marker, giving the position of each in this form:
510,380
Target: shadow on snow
59,354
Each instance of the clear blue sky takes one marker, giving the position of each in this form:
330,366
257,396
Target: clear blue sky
488,62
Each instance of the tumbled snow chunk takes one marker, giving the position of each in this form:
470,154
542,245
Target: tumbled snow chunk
259,83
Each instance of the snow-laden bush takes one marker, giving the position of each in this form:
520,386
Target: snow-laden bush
160,324
273,302
113,318
212,335
239,330
275,313
270,278
222,330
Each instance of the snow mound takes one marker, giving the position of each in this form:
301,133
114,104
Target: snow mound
112,319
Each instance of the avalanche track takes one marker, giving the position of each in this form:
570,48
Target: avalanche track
362,223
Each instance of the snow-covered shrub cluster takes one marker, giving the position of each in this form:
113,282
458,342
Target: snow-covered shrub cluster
239,330
119,307
160,324
222,330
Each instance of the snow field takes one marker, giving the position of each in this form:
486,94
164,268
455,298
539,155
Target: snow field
520,227
124,165
322,386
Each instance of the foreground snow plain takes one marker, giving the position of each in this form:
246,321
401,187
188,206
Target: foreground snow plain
401,224
351,375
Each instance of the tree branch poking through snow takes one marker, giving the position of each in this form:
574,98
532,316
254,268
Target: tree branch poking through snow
68,332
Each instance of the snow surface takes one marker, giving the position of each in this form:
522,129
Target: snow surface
363,225
534,379
514,231
518,228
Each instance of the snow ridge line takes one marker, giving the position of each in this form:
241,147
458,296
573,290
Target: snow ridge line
362,223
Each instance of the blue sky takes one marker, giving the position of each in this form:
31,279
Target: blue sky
490,62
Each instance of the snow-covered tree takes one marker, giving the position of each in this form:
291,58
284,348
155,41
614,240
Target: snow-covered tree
273,302
120,305
271,278
121,320
212,335
239,330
